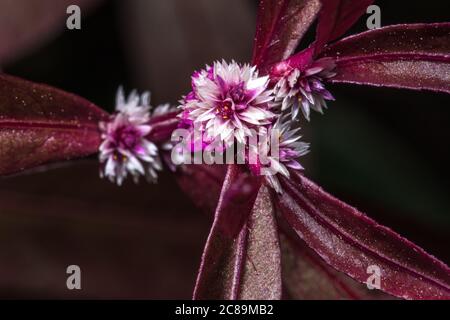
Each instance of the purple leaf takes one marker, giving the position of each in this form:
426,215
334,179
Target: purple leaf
300,60
243,265
336,17
124,239
237,198
163,127
415,56
40,124
202,183
306,276
350,242
280,26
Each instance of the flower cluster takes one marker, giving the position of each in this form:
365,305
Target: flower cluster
126,148
231,102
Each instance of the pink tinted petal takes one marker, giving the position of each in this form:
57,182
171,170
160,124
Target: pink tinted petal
327,95
305,274
206,115
238,192
163,127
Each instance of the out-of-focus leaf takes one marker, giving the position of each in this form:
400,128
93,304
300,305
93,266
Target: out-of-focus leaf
415,56
351,242
202,183
336,17
300,60
245,265
307,277
396,189
280,26
25,24
40,124
237,199
163,127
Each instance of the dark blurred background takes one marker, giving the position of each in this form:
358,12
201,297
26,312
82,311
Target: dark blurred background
385,151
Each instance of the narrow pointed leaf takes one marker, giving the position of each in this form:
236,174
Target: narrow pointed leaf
415,56
40,124
245,265
280,26
304,274
351,242
336,17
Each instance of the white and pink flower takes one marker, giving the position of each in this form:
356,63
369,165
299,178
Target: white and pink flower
227,100
282,157
304,90
125,148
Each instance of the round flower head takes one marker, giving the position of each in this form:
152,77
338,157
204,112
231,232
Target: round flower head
227,101
304,89
284,155
125,148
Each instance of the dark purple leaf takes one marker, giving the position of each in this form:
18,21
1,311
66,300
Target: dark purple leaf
25,24
124,238
40,124
300,61
280,26
336,17
306,276
415,56
350,242
245,265
163,127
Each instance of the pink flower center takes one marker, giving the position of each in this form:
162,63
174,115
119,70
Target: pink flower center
224,109
127,137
